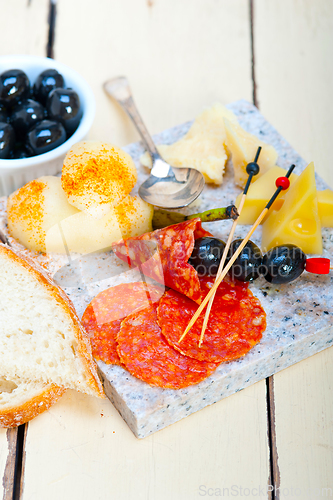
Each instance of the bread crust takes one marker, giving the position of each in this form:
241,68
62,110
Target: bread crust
20,414
84,346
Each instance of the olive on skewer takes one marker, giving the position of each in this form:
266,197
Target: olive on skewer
206,255
248,264
281,264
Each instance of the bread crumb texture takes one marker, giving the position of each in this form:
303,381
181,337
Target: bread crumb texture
41,337
20,401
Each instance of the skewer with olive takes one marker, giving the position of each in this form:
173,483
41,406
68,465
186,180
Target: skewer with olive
281,264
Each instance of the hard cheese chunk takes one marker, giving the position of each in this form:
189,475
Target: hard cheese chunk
261,190
243,147
325,207
259,193
34,208
84,234
297,222
203,147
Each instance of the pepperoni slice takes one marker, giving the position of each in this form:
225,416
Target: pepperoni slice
146,354
235,325
102,318
163,255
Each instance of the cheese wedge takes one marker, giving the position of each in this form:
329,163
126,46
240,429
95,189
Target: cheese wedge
202,148
325,207
259,193
261,189
297,221
83,234
243,147
36,207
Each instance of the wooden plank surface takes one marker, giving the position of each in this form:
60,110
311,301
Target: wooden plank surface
187,55
179,57
304,425
24,27
294,74
24,30
3,459
8,462
81,448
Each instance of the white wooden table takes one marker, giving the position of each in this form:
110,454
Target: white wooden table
179,57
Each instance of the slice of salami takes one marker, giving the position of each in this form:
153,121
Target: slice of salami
163,255
235,325
102,318
146,354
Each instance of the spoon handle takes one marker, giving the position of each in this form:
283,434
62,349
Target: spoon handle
119,89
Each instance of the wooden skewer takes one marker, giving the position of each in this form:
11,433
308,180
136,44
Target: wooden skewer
331,267
224,272
234,257
254,171
223,259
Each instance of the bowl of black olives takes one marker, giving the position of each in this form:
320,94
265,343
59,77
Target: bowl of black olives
45,108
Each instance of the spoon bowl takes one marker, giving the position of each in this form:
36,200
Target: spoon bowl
166,187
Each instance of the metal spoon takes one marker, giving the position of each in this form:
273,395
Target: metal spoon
166,187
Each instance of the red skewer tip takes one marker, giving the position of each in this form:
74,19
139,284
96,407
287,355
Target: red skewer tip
282,182
318,265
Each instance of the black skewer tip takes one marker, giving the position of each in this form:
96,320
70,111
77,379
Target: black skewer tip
252,169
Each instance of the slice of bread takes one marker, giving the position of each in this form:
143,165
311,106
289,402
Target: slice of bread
41,337
22,401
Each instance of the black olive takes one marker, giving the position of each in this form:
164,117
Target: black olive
206,255
283,264
247,265
7,140
25,115
63,105
21,151
46,135
47,81
14,86
3,114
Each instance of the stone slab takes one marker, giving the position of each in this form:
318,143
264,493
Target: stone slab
299,314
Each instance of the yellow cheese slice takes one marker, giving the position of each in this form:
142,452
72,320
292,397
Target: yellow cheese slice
325,207
243,147
261,189
297,221
259,193
202,148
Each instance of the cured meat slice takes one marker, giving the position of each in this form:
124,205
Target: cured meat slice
102,318
235,325
146,354
163,255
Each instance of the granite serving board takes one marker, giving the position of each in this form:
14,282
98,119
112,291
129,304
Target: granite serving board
299,314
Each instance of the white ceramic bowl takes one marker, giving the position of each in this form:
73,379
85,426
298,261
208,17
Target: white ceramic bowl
16,173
